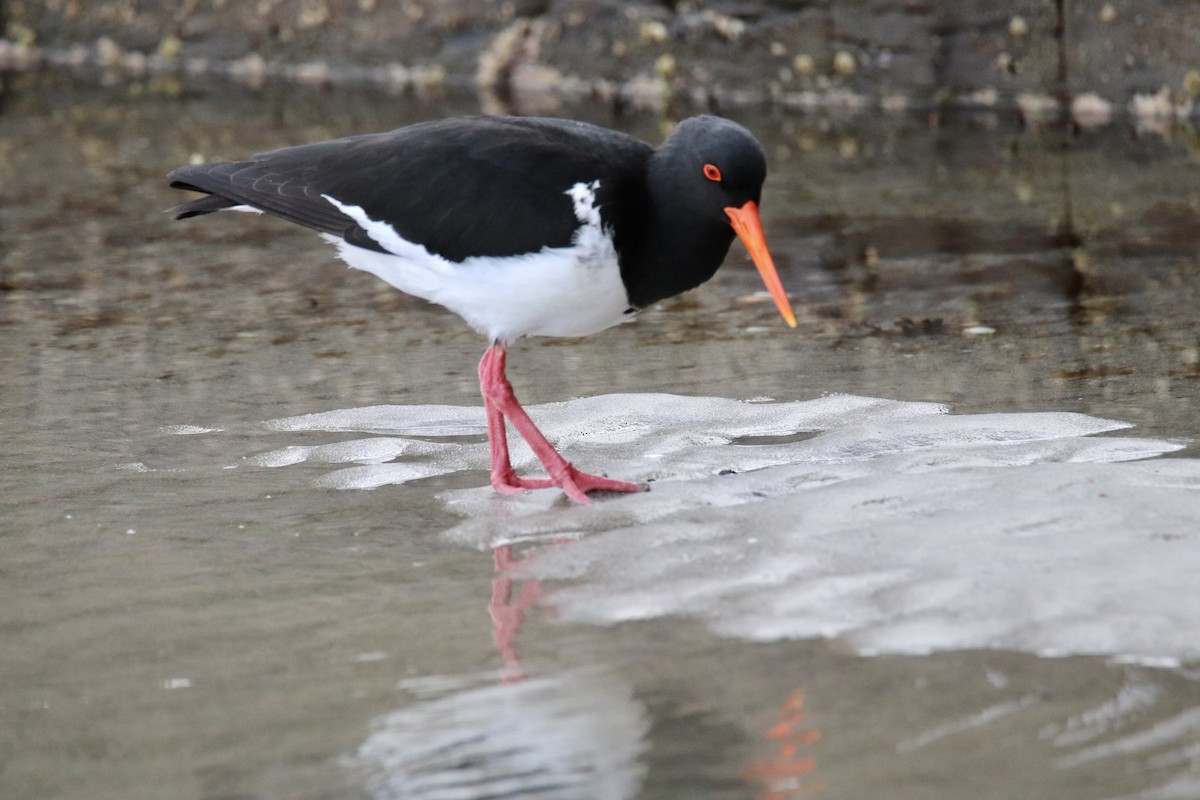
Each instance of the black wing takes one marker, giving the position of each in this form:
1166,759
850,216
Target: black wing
460,187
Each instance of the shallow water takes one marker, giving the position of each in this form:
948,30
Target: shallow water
245,551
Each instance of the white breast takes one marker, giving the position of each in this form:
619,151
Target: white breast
557,291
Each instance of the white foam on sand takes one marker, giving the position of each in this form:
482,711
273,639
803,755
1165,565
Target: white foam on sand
893,526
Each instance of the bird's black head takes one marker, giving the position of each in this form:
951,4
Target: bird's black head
715,164
708,176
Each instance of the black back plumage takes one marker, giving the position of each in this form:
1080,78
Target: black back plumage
492,186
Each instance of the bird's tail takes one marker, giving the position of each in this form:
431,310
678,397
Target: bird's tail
204,205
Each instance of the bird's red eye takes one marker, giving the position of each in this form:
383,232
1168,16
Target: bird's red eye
712,173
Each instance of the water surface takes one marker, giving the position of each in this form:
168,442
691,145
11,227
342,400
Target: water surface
193,606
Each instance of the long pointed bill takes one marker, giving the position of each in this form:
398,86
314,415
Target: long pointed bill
748,227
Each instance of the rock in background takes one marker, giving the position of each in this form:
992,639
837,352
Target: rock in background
1092,57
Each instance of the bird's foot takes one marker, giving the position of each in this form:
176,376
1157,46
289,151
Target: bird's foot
577,484
510,483
574,482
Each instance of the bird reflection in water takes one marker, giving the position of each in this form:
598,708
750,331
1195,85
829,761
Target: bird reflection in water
508,613
787,773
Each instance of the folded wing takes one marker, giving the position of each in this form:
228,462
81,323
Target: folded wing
428,181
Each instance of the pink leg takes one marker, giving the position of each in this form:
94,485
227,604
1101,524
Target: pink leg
504,478
502,404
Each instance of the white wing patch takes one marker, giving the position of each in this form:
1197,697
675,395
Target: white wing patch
583,196
556,291
387,238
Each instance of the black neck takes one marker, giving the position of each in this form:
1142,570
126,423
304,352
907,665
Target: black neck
664,250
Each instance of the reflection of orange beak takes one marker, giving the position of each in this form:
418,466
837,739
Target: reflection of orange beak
749,229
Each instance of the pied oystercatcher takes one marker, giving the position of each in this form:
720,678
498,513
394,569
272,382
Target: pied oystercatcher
522,226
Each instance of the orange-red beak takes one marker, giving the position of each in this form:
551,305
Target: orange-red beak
748,227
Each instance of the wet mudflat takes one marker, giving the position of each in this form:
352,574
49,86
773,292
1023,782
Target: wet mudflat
246,548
